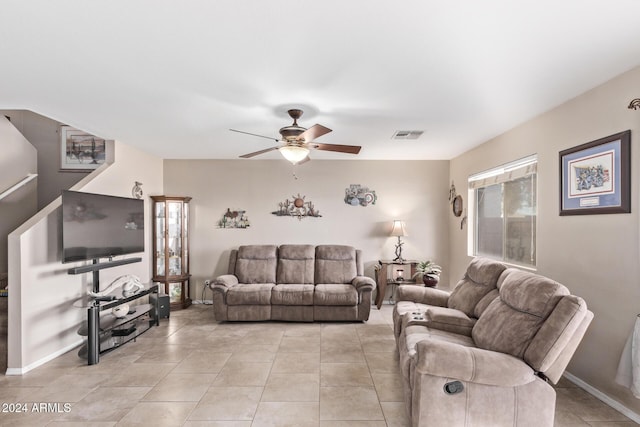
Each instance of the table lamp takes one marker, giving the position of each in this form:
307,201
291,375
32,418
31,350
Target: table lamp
399,230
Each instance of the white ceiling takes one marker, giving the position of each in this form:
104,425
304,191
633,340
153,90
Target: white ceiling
172,77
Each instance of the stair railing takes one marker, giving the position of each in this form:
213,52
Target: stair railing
15,187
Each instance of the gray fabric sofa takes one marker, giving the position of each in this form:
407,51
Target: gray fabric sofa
485,353
301,283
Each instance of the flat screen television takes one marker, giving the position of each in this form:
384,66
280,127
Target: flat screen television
99,226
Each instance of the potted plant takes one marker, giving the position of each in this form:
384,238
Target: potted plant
429,271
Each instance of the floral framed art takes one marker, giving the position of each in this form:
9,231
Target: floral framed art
595,178
80,151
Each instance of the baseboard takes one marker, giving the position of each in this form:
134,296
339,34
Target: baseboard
603,397
24,370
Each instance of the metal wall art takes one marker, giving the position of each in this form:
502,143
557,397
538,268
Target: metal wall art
297,208
457,205
234,219
136,191
357,195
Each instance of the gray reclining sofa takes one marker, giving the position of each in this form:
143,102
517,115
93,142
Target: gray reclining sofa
486,353
300,283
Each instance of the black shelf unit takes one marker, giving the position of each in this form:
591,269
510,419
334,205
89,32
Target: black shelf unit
106,332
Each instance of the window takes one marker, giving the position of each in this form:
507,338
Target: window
504,210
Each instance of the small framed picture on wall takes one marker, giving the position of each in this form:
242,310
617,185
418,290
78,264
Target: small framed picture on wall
80,151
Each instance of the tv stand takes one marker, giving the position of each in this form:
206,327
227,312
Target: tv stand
106,333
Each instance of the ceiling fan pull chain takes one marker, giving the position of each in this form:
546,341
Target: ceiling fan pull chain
293,171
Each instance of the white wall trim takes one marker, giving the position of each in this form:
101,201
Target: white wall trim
24,370
603,397
23,182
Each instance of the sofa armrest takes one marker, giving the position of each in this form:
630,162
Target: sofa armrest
422,295
363,283
449,360
224,282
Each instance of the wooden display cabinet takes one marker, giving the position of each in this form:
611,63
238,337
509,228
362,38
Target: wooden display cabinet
171,248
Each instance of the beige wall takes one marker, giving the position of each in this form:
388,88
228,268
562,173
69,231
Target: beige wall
414,191
595,256
43,133
43,320
18,158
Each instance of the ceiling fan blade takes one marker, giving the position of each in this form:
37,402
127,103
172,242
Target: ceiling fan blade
257,153
305,160
312,133
351,149
255,134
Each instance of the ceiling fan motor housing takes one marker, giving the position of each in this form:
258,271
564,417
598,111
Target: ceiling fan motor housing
292,131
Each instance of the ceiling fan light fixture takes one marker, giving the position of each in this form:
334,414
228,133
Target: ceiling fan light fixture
294,153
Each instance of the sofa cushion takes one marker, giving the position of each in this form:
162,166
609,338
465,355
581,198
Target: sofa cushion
335,264
291,294
250,294
511,321
484,303
554,335
295,264
413,333
256,264
335,294
480,278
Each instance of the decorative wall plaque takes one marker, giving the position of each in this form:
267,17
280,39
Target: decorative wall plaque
234,219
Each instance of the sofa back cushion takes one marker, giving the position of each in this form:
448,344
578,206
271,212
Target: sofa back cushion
256,264
555,336
295,264
480,279
335,264
510,322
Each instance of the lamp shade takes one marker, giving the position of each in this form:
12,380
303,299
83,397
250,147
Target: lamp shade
398,228
294,153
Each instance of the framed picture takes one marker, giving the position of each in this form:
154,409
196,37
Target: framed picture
80,151
595,178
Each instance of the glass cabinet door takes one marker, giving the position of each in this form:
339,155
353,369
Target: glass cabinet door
160,240
175,238
185,231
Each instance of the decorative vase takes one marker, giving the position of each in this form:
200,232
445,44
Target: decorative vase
120,311
429,281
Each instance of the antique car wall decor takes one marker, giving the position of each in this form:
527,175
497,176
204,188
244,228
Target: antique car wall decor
357,195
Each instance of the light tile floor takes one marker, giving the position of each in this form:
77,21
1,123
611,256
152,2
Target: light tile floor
192,371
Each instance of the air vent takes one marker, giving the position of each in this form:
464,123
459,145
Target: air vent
407,134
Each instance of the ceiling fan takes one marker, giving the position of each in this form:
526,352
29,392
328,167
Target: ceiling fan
296,141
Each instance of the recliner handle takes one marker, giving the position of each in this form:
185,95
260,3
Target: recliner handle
453,387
